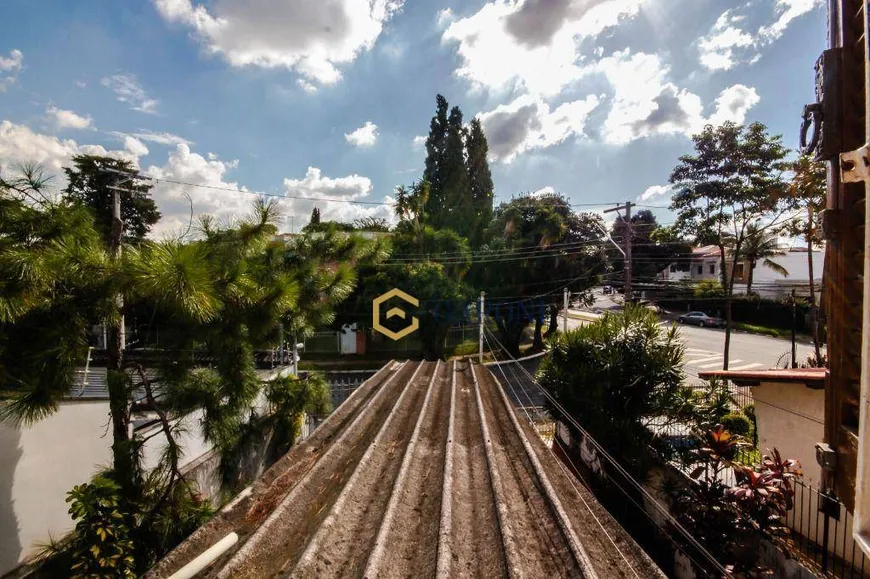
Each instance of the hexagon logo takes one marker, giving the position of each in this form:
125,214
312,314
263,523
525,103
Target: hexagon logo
376,314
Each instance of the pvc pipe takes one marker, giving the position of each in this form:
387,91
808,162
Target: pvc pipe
206,558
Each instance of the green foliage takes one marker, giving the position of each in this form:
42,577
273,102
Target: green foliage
533,224
708,288
737,423
760,246
458,174
88,182
102,544
733,180
315,216
289,398
653,247
377,224
613,374
55,281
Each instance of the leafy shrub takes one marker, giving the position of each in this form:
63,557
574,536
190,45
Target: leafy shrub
102,544
737,423
615,372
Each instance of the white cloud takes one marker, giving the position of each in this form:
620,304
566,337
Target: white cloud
135,146
128,90
365,136
532,44
312,38
444,17
188,167
19,143
717,49
10,66
646,104
306,86
64,119
733,103
334,193
728,45
163,138
419,141
548,190
788,10
528,123
655,192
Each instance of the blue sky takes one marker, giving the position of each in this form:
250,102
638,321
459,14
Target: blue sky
594,98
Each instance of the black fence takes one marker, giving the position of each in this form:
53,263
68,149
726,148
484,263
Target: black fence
822,535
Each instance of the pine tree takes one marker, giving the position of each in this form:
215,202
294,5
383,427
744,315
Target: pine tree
315,216
479,180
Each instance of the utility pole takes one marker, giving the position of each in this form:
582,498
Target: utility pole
794,328
116,380
480,320
628,237
565,321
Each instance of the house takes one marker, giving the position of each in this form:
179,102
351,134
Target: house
702,265
768,283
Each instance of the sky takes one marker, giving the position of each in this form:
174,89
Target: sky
219,100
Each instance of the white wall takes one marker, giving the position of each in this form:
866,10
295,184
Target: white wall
791,418
38,466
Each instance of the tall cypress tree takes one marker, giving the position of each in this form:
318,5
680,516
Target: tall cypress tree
436,144
315,216
457,211
479,181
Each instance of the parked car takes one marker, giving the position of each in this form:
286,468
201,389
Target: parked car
701,320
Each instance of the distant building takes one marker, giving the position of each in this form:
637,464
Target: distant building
704,264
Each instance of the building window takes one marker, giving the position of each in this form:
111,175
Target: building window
673,269
700,270
738,271
712,268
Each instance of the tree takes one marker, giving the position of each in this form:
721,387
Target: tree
652,250
555,249
479,181
89,179
761,246
436,154
378,224
614,374
223,296
733,180
315,216
809,192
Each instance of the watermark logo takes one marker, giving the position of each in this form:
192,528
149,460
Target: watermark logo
394,312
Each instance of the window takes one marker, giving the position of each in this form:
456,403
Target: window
712,268
738,271
674,268
700,270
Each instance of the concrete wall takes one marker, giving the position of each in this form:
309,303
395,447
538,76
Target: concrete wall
38,466
791,418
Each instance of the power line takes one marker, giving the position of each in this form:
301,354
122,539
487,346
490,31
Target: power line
616,464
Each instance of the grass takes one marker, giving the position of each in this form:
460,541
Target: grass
762,330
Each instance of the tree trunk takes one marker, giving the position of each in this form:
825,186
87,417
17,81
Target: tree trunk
750,276
814,312
538,343
728,287
123,462
554,321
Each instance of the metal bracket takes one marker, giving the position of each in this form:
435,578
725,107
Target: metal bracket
855,165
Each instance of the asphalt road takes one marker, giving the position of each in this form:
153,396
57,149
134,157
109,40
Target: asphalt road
704,346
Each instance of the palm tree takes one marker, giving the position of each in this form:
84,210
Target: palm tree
761,246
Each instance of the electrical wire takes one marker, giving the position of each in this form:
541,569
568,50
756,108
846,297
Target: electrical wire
564,470
616,464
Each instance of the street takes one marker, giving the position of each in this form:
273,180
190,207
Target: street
748,351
